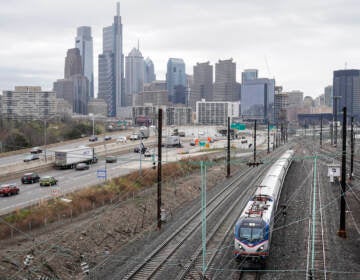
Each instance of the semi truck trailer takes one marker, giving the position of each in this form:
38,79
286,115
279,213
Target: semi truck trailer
68,158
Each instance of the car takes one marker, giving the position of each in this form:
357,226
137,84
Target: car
121,139
30,178
148,153
93,138
36,150
9,189
110,159
107,138
31,157
192,143
82,166
140,149
48,181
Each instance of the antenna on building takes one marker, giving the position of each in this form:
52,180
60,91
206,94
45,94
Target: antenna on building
118,8
138,44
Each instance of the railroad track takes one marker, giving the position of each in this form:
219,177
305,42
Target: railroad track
317,242
215,242
168,252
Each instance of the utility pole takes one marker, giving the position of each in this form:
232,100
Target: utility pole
268,137
228,150
352,149
159,168
342,231
255,142
45,139
321,123
332,132
335,104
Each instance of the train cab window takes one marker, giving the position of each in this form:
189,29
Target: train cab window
251,234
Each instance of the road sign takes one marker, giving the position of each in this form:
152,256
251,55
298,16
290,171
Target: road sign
101,173
238,126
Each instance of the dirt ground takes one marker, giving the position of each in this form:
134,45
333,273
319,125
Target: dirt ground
63,250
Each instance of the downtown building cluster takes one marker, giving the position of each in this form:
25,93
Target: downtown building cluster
128,89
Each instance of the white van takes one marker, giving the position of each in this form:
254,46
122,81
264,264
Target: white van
121,139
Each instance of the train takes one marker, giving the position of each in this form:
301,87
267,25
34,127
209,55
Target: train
253,229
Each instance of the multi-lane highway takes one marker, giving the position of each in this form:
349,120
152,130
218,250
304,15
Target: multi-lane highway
127,161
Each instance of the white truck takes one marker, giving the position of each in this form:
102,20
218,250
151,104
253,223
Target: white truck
144,131
172,141
68,158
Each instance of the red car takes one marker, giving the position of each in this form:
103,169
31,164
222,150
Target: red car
9,189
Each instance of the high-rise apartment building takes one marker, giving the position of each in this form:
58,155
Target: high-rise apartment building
202,86
248,75
72,63
176,80
149,71
215,112
257,99
225,86
328,95
346,83
28,103
134,75
84,43
111,67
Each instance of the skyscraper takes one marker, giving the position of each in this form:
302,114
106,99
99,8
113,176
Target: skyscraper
176,79
248,75
257,99
202,87
72,63
84,43
346,83
225,86
149,71
134,75
111,67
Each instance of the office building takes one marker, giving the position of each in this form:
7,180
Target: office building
149,71
346,85
202,85
248,75
328,95
134,75
72,63
97,107
111,67
257,99
178,115
215,112
280,107
84,43
28,103
296,98
176,80
225,86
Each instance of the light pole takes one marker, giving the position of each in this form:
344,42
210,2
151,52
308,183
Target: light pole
93,123
45,135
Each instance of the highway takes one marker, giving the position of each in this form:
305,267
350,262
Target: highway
127,161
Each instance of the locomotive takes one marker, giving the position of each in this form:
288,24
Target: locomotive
253,230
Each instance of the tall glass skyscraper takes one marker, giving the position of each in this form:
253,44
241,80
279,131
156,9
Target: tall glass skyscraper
346,83
111,67
149,71
134,75
257,99
176,79
84,43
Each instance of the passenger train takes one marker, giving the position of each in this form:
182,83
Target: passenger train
253,230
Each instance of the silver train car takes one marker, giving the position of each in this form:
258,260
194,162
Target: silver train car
253,230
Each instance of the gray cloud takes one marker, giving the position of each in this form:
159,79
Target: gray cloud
302,41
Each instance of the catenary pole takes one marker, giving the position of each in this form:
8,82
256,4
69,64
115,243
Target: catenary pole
352,149
342,231
228,149
159,168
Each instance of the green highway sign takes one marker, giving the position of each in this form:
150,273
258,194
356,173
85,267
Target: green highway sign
238,126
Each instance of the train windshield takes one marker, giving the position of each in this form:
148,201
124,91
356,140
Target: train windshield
251,234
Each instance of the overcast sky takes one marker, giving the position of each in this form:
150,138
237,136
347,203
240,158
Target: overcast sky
299,42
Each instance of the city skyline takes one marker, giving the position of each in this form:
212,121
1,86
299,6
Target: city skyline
281,40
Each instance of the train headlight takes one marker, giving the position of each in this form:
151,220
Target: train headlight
241,248
261,248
